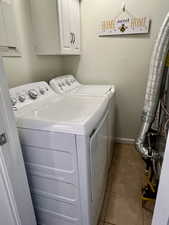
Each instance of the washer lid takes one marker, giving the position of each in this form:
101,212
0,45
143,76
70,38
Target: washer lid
69,115
94,90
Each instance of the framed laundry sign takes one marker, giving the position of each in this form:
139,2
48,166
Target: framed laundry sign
124,23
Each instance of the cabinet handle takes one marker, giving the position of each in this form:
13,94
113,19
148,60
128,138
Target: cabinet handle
72,38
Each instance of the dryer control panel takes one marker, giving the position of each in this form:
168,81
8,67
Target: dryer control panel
26,94
64,84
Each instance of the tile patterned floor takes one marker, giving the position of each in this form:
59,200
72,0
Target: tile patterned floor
122,205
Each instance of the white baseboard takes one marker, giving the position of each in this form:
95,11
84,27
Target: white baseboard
124,140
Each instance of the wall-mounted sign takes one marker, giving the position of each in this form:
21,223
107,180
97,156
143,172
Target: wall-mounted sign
125,23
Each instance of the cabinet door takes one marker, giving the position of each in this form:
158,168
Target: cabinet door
45,26
3,38
6,206
9,22
64,23
15,200
75,25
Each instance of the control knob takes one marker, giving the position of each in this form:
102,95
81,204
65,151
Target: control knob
68,83
21,98
42,91
13,101
61,86
33,94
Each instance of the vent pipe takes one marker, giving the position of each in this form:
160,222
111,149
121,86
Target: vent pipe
152,96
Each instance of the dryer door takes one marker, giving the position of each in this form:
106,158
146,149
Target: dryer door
99,166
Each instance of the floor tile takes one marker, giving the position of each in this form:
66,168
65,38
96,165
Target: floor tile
122,205
101,223
123,210
126,172
148,213
109,224
147,217
104,223
105,206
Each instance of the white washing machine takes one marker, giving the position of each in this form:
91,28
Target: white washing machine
64,143
69,86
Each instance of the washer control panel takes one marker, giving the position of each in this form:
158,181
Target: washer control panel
64,84
26,94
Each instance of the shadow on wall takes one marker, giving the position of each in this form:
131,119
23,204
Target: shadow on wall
129,36
72,64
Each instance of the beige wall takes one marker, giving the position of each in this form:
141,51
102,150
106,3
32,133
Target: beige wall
123,61
29,67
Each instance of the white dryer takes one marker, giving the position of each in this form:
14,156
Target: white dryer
64,143
68,85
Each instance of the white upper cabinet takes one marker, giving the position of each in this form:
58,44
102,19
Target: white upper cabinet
3,39
56,26
9,21
8,34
